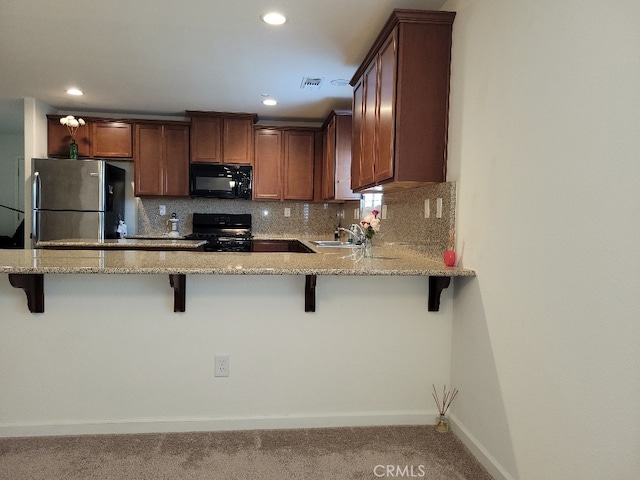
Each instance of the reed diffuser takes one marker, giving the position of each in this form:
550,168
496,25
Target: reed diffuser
442,424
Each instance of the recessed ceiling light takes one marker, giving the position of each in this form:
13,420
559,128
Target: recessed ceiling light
274,18
75,91
269,102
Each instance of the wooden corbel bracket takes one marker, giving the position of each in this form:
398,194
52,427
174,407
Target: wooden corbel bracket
310,293
179,284
436,285
33,286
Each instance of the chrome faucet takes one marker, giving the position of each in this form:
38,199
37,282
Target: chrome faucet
356,231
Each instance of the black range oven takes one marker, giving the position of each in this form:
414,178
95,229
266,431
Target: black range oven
223,232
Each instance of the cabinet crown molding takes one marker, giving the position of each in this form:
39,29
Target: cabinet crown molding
397,17
203,113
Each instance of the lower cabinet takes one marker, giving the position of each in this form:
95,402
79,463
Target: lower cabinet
161,159
284,162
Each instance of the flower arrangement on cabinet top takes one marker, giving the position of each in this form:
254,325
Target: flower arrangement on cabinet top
72,124
371,224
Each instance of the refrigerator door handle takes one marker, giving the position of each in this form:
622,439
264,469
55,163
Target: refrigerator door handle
35,190
35,199
35,234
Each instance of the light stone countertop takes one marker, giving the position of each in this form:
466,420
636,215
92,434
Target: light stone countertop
387,260
166,242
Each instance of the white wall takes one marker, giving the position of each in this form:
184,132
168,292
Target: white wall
11,151
110,355
544,142
35,146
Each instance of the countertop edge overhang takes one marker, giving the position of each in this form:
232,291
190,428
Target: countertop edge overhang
385,262
26,269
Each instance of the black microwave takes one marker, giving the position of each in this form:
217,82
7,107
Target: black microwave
214,180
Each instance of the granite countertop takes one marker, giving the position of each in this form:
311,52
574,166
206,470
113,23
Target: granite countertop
387,260
164,242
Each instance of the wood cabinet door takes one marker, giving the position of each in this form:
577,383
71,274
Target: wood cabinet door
267,176
369,126
59,139
148,171
329,161
342,174
386,89
175,160
237,141
356,134
206,139
298,162
112,140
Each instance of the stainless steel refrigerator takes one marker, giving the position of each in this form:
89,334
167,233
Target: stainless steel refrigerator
76,199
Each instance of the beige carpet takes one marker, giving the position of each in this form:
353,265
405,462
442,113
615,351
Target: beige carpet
313,454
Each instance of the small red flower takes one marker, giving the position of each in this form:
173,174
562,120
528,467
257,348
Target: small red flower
375,213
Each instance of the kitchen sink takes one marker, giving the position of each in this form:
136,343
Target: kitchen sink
279,246
334,244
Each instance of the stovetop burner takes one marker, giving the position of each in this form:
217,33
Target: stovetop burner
223,232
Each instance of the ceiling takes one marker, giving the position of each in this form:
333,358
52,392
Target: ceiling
162,57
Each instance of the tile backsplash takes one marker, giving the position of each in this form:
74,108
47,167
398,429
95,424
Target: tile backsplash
405,221
268,218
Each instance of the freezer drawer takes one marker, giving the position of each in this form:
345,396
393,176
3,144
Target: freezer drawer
50,225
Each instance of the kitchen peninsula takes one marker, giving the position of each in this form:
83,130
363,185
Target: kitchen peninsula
26,268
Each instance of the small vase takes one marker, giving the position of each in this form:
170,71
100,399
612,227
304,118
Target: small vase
442,424
366,249
73,149
449,258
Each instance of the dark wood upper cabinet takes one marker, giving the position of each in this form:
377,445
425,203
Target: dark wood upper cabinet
284,163
206,139
112,140
298,163
356,134
336,165
401,101
161,160
222,137
237,140
98,138
59,138
267,176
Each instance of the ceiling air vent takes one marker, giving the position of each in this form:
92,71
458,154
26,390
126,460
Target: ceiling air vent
310,83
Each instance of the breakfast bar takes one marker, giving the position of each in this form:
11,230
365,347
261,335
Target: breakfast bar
26,268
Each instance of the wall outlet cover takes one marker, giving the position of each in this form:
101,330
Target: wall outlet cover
222,365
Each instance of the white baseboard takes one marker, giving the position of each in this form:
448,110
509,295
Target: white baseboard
487,460
261,422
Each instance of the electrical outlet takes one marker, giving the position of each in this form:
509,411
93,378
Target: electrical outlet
384,212
427,208
222,365
163,210
439,208
287,212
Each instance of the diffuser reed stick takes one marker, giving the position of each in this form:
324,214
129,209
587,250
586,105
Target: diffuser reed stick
447,398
